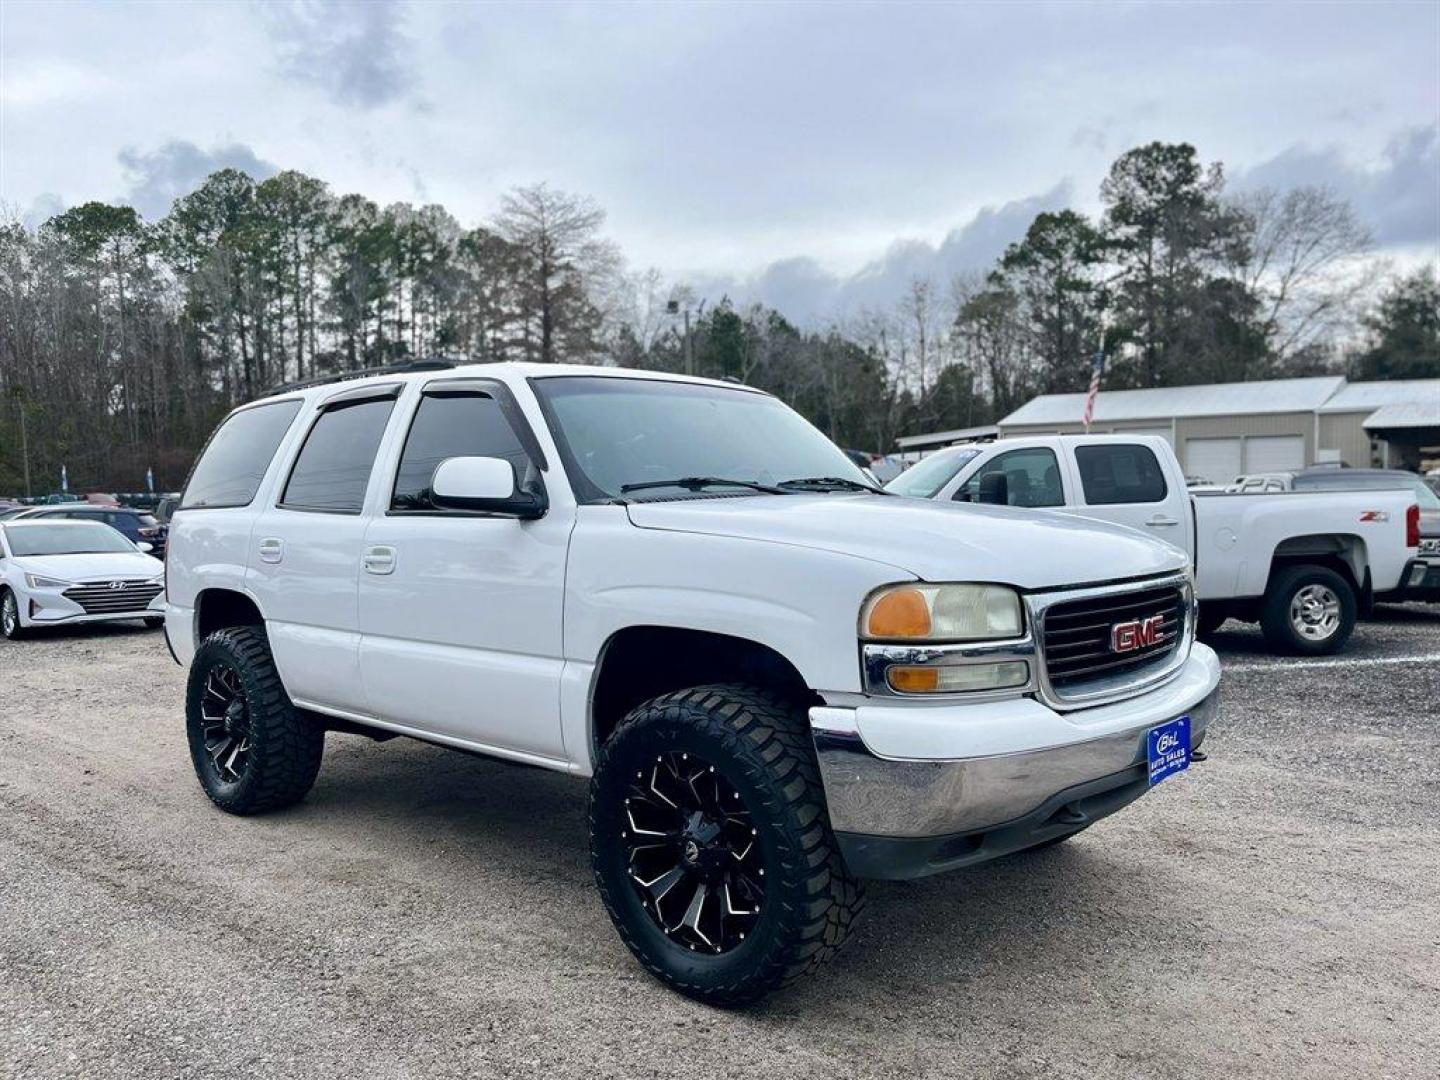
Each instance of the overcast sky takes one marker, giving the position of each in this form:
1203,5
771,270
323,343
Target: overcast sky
811,155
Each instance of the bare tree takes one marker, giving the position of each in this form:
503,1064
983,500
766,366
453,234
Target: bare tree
1303,261
569,264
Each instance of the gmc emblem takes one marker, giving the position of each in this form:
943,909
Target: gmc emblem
1137,634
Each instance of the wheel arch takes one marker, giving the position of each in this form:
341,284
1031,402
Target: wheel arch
643,661
1345,553
221,608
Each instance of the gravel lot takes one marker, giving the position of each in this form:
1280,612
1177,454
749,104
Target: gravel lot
1273,913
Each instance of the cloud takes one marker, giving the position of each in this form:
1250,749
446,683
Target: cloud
805,291
1398,197
353,50
161,176
41,209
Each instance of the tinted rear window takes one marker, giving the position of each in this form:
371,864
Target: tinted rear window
1120,474
234,462
334,465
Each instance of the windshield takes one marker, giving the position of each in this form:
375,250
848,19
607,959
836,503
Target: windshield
77,538
928,475
619,432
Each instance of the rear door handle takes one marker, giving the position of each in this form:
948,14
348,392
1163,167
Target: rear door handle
379,560
1160,520
272,549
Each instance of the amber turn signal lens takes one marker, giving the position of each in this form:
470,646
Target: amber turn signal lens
899,614
914,680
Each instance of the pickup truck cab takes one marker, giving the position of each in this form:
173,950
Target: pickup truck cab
778,679
1301,563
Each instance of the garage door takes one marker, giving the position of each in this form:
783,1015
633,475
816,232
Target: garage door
1274,453
1217,460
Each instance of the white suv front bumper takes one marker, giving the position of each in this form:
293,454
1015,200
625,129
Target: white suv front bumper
915,788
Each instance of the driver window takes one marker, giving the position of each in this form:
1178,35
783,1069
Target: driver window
1033,476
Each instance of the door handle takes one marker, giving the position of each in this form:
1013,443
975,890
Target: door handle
379,560
1160,520
272,549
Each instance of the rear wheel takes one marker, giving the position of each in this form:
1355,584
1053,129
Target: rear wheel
711,846
1308,610
10,615
251,749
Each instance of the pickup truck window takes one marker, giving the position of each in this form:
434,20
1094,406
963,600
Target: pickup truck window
234,461
614,432
1033,475
1117,473
334,464
928,475
450,425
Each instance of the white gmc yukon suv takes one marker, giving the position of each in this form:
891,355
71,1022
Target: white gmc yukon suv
779,679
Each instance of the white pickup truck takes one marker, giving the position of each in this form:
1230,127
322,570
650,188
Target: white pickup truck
1302,564
779,679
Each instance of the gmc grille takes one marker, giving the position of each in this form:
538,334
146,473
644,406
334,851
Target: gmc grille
98,598
1078,636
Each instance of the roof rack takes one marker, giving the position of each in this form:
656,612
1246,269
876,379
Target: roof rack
362,373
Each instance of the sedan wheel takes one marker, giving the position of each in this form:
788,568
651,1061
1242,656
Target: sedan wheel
10,616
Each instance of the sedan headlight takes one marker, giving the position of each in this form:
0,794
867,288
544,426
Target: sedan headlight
35,581
942,613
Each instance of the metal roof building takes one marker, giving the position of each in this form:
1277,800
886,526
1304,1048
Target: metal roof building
1223,430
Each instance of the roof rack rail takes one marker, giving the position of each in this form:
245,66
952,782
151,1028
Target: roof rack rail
362,373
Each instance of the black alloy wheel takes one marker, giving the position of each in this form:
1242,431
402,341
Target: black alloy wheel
693,853
712,847
252,749
225,725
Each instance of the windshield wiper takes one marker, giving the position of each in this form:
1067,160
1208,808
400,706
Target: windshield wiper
829,483
697,483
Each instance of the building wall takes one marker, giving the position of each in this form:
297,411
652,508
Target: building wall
1344,432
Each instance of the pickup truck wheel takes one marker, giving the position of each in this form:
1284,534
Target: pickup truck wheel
1308,610
252,751
10,616
1212,617
711,845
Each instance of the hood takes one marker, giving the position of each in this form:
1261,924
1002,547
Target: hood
933,541
107,564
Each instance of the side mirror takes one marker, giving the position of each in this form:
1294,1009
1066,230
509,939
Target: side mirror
145,547
995,489
484,484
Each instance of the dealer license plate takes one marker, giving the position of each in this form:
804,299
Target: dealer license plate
1168,749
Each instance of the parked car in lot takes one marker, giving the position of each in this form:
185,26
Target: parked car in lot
165,507
779,679
56,573
1302,565
135,525
1422,580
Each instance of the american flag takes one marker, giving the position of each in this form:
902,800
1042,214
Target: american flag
1097,370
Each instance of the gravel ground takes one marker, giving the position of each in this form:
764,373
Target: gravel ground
426,914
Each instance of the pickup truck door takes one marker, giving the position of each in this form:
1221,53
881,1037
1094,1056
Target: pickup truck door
1128,484
461,613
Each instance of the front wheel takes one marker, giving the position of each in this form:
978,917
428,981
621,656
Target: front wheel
10,616
1309,610
711,845
251,749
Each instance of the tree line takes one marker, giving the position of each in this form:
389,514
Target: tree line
123,341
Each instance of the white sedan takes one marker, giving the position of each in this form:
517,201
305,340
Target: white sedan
54,573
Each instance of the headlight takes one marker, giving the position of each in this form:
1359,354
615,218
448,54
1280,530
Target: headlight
942,613
35,581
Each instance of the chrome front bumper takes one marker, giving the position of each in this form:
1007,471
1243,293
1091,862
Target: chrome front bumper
915,789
